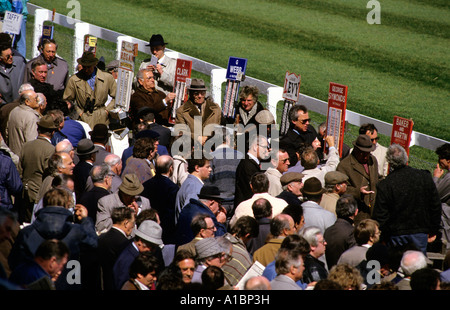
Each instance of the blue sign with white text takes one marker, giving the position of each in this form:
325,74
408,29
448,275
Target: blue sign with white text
236,68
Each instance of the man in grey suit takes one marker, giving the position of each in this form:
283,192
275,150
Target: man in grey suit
128,195
289,267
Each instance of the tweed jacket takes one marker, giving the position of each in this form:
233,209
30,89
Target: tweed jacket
152,99
78,90
357,177
267,252
22,127
32,164
106,205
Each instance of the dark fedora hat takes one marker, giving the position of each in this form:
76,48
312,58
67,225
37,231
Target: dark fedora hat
313,186
88,59
86,147
156,40
197,84
364,143
100,131
210,192
47,122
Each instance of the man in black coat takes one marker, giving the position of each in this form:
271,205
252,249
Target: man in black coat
407,206
248,166
339,236
300,131
101,177
162,193
113,242
86,152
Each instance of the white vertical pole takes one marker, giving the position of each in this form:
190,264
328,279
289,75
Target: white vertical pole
274,95
80,30
218,77
41,15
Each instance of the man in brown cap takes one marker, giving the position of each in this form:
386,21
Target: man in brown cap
91,89
292,188
335,185
361,167
199,111
128,195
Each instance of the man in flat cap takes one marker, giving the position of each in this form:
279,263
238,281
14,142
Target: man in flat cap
90,89
292,185
32,164
165,68
361,167
335,186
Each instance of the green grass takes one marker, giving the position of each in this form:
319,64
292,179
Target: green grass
400,67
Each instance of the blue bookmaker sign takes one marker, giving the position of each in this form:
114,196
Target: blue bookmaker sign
236,68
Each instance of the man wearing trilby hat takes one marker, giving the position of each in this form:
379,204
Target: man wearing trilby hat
91,89
361,167
166,66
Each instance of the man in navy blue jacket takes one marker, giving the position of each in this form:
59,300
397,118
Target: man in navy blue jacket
208,202
10,182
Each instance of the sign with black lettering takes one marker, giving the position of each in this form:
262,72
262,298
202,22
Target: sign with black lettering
291,94
12,23
337,105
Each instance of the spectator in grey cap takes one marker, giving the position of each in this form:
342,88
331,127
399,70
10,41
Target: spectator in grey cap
209,253
113,68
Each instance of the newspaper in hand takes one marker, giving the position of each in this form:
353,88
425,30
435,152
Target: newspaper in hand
255,270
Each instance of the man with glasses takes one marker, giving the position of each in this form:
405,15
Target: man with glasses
11,74
199,111
380,151
208,202
146,95
300,131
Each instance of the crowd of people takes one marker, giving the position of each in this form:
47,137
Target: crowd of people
164,212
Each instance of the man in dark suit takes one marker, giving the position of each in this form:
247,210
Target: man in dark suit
100,136
147,238
249,165
113,242
86,152
339,236
146,119
300,131
101,177
162,192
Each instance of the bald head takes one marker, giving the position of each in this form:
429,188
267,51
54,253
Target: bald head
257,283
164,163
64,146
114,162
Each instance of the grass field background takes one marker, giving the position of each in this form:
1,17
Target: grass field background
400,67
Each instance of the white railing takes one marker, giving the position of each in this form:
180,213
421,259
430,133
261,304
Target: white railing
216,73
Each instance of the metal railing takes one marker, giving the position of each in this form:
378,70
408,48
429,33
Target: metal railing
217,74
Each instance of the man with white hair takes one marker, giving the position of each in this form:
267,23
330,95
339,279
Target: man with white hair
115,163
410,262
407,207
